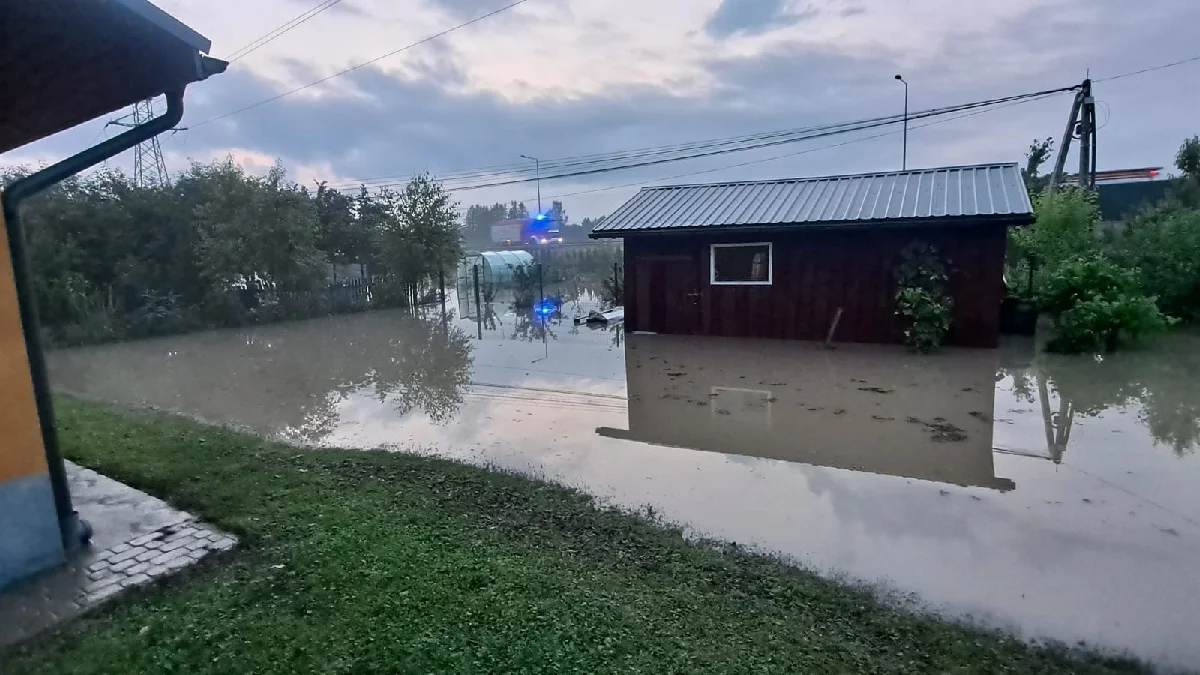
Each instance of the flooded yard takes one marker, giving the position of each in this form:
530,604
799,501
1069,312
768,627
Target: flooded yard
1052,496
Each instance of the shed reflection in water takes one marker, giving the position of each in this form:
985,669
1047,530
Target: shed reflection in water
1052,495
860,407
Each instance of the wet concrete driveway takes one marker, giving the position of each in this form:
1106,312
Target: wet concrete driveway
1054,497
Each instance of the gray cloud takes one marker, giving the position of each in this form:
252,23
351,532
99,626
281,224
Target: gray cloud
425,117
753,17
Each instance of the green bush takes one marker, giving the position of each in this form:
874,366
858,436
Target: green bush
921,300
1095,303
926,318
525,286
1066,228
1164,246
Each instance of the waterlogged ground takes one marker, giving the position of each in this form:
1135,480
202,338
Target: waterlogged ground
1055,497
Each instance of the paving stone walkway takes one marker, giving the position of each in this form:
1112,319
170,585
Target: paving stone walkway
137,540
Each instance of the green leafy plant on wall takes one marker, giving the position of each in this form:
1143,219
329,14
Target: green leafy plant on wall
921,299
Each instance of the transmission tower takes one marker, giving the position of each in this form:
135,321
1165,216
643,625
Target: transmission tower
149,168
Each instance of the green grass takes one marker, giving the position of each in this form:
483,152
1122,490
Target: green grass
356,562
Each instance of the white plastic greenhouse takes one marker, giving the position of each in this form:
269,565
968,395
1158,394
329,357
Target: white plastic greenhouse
495,274
495,267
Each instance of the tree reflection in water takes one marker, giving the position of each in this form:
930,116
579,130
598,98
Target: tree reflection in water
1162,379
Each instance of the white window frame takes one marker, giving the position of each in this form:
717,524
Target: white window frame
712,264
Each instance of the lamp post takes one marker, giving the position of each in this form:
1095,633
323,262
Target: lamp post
537,168
904,160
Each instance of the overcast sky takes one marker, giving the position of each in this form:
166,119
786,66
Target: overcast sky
556,78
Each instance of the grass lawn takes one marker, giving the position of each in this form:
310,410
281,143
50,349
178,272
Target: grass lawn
355,562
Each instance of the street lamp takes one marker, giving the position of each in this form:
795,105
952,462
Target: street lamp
537,168
904,161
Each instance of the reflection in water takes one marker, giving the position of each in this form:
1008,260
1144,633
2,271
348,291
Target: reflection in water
824,456
859,407
1161,380
298,375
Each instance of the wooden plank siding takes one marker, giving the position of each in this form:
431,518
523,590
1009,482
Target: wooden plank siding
816,271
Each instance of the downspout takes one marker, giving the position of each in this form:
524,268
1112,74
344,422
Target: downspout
74,531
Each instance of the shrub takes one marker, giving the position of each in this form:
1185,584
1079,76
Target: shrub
612,291
1164,246
921,300
1065,228
525,286
926,318
1095,303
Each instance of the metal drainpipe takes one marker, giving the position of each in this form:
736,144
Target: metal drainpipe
75,532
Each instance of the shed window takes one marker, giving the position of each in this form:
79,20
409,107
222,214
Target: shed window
742,264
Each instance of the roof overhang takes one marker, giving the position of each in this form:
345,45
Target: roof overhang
1008,220
69,61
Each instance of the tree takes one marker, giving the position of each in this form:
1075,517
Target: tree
1035,157
478,222
558,213
517,210
1186,191
340,234
419,235
1187,160
256,231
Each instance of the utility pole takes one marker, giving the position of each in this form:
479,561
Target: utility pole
1081,122
537,169
149,168
904,160
1087,114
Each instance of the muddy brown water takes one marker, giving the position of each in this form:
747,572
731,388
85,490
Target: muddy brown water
1055,497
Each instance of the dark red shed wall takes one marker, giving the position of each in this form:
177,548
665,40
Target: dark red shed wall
816,271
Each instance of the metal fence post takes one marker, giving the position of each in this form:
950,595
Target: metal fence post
617,290
442,294
478,305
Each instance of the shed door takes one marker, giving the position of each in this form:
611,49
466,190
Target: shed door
668,294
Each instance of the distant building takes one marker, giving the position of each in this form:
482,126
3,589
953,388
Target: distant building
1119,201
779,258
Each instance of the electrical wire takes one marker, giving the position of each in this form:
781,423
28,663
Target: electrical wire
290,25
1149,70
595,159
1107,114
792,154
515,169
363,64
759,144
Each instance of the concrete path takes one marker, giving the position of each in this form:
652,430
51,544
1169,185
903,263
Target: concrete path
138,540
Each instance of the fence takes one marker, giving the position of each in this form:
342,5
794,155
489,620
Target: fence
246,304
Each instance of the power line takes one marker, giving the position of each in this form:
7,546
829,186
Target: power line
1149,70
263,40
522,170
771,142
596,159
794,154
363,64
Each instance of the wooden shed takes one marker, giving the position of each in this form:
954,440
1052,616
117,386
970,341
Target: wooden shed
778,258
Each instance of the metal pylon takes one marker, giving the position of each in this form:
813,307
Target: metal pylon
149,168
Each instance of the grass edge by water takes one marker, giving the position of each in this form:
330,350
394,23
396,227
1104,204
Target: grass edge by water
269,494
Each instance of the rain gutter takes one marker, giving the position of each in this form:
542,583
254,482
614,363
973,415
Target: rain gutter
74,531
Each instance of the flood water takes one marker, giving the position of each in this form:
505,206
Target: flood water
1055,497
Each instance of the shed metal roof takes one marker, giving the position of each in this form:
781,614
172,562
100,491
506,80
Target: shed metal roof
985,191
